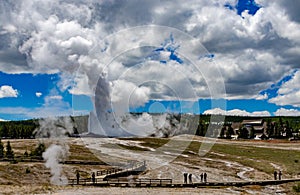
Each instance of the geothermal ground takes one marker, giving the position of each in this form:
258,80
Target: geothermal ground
227,160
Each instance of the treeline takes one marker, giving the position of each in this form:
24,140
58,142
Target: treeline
276,127
26,129
294,121
18,129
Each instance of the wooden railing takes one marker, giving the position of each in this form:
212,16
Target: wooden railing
128,168
140,182
85,181
108,171
154,181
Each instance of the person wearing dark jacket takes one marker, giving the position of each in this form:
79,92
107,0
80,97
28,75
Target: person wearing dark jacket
190,178
275,175
77,177
185,175
205,177
279,175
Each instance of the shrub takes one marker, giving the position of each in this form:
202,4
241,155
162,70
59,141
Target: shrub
296,188
39,150
27,170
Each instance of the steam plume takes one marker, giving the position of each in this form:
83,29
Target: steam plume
57,129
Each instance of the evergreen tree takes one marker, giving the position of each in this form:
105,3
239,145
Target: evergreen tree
202,128
243,133
9,152
4,132
271,130
26,154
276,130
1,150
230,130
252,132
280,122
289,130
222,133
38,152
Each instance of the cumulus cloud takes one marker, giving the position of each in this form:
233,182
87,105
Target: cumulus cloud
55,97
287,99
289,92
128,95
236,112
53,105
53,109
287,112
252,51
261,96
62,38
8,91
38,94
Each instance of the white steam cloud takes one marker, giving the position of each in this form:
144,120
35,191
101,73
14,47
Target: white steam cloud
53,155
57,129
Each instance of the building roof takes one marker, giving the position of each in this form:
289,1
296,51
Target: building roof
253,122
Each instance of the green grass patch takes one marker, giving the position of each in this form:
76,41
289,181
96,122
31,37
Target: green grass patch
256,157
260,158
149,142
134,148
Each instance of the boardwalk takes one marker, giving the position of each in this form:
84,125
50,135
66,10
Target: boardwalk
169,184
104,175
131,169
118,177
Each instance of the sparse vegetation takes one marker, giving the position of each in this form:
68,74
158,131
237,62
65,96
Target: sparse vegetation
80,152
27,170
296,188
241,152
256,157
260,158
149,142
26,154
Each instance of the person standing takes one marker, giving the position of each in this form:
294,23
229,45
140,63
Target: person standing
190,178
201,177
93,177
275,175
205,177
185,175
279,175
77,177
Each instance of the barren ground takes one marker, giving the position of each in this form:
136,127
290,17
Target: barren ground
227,160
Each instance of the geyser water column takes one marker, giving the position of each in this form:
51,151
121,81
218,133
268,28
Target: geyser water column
146,63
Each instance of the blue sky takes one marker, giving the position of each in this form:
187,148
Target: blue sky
250,42
27,86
